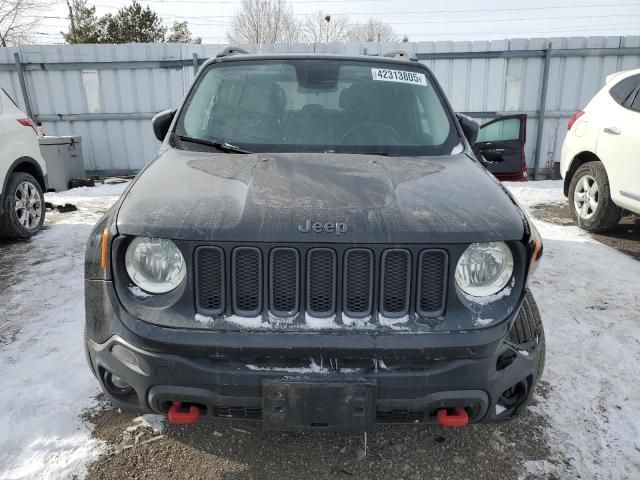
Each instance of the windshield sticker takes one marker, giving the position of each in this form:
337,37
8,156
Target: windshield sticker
388,75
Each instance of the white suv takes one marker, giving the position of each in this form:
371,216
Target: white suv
600,160
23,174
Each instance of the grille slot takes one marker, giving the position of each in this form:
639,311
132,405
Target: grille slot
399,416
395,276
250,413
432,278
246,285
321,282
358,283
284,282
210,278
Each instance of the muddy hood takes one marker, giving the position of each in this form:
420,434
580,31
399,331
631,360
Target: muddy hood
318,198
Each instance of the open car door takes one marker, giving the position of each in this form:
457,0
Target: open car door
500,147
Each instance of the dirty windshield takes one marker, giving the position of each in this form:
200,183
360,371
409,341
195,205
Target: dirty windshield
318,106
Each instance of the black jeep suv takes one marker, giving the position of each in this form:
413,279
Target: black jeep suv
315,247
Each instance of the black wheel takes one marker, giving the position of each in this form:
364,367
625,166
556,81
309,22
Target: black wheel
590,199
23,206
527,332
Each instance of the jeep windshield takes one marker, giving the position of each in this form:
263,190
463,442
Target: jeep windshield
319,105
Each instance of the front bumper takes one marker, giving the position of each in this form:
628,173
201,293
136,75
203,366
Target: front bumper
400,390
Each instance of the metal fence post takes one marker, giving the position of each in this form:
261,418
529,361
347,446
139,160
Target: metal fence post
195,63
23,85
542,107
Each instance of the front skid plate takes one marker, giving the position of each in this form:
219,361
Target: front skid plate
304,404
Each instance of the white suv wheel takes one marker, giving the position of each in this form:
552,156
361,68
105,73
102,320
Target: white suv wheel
590,199
585,197
27,205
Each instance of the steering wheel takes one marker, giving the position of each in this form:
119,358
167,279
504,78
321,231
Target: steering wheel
376,130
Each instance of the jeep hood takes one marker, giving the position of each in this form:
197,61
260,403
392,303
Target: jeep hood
267,197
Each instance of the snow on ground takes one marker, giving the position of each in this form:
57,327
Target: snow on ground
90,194
44,379
589,297
535,193
588,294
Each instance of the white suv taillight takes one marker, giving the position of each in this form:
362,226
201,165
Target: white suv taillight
27,122
574,118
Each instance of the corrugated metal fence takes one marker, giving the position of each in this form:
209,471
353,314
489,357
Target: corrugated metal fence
108,93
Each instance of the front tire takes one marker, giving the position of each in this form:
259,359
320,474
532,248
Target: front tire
23,206
590,199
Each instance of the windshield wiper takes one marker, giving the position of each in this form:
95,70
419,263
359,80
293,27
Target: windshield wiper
381,154
217,144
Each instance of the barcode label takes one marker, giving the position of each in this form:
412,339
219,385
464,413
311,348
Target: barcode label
388,75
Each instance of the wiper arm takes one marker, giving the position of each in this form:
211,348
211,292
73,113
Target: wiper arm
217,144
381,154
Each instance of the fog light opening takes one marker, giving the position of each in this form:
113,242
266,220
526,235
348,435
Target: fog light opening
116,385
514,395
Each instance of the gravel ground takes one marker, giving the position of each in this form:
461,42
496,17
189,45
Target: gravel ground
225,450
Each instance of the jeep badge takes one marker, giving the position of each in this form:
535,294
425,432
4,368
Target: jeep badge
318,227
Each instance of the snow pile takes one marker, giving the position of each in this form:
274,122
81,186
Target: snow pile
589,297
88,193
157,423
312,368
45,380
394,323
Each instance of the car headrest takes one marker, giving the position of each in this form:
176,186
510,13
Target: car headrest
359,94
263,97
253,96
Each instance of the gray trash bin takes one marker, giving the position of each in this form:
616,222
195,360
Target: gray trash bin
63,157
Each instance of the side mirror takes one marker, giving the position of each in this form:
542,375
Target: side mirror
161,123
470,127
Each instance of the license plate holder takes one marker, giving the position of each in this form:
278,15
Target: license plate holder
304,405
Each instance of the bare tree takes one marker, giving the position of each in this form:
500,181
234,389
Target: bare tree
264,21
319,27
17,19
372,31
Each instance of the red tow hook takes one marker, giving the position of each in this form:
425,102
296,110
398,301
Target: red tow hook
179,415
453,417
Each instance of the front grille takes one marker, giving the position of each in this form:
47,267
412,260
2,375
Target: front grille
358,282
396,275
246,264
321,282
290,281
210,279
284,293
432,269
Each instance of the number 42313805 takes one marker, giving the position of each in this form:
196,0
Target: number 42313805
389,75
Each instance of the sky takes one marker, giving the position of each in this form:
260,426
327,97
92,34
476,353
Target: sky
420,20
